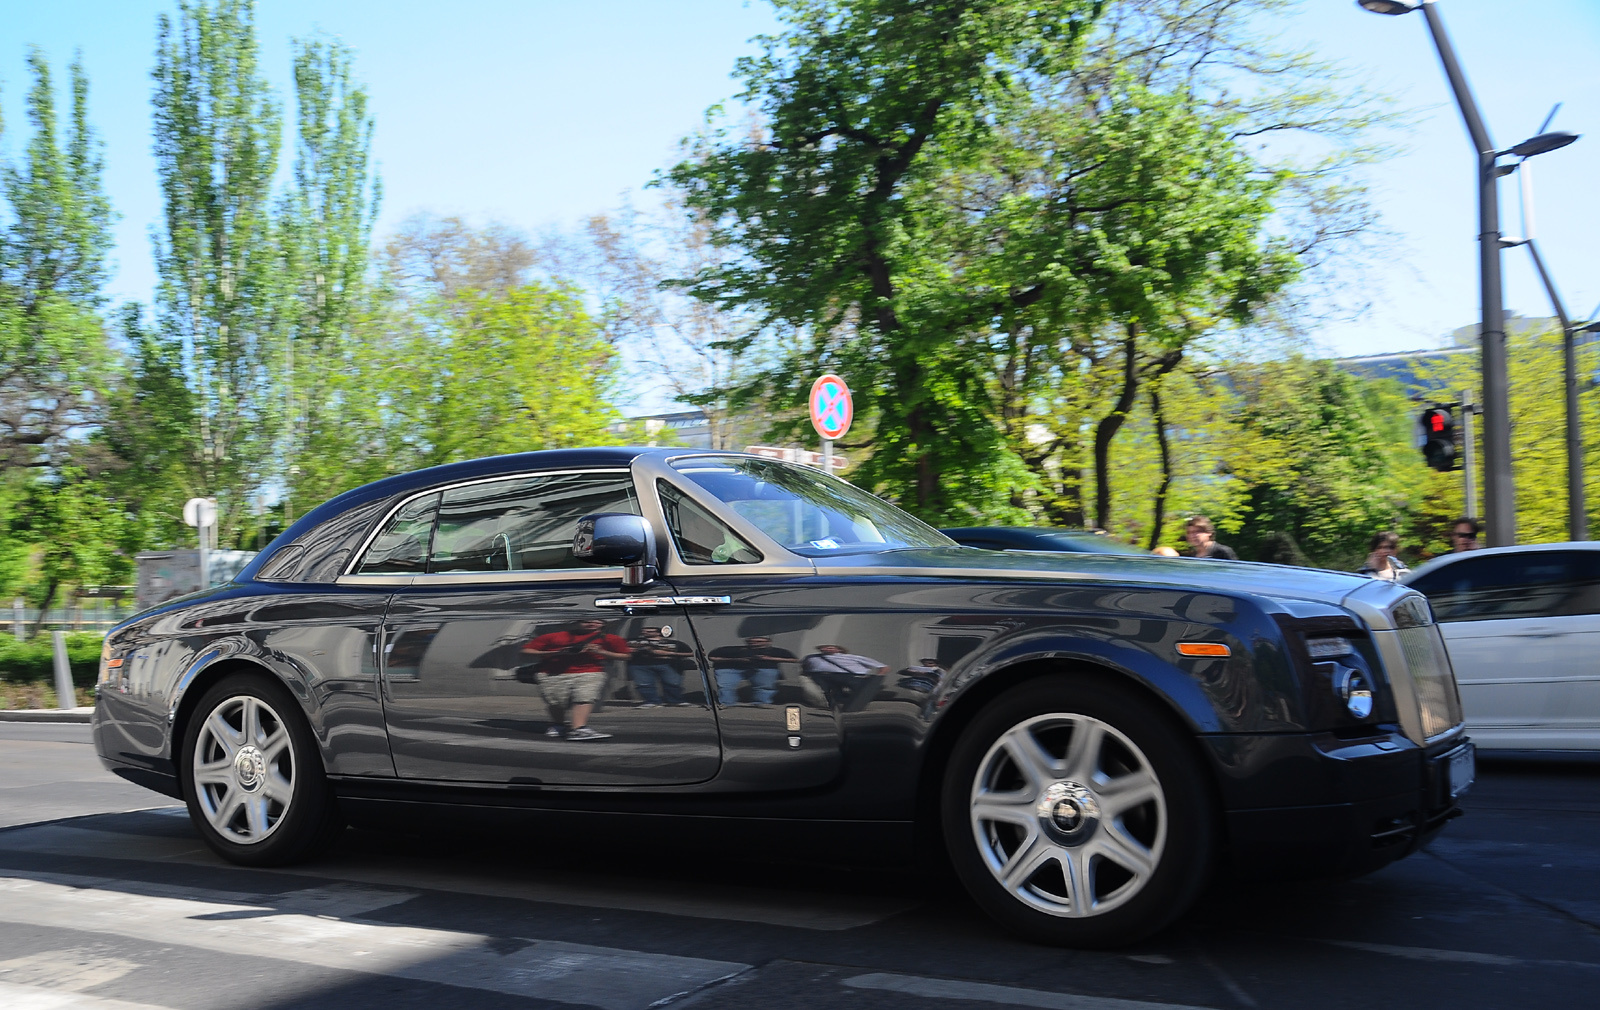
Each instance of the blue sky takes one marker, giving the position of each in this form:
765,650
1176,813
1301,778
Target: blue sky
540,113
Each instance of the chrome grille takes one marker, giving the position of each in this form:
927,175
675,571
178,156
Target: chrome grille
1438,702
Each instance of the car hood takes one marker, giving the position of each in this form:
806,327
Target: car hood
1282,581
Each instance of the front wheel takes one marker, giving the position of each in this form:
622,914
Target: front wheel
253,780
1074,813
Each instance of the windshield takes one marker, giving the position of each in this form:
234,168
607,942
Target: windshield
806,511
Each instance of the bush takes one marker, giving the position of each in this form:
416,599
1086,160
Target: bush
34,660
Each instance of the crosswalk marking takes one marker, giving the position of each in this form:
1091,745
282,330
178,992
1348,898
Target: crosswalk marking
1458,956
563,972
27,997
704,900
1006,995
75,969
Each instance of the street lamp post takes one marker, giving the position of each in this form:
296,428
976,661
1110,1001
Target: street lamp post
1500,506
1577,512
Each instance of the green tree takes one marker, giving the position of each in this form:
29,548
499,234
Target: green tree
1319,459
325,230
77,529
55,360
53,350
151,434
1000,253
491,373
217,134
856,99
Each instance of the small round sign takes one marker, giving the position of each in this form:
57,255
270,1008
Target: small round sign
831,409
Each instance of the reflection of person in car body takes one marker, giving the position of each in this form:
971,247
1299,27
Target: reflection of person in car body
923,677
656,667
571,673
850,681
757,660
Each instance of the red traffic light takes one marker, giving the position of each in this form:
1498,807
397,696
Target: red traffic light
1437,438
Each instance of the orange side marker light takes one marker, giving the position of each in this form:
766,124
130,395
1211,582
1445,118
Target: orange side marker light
1203,649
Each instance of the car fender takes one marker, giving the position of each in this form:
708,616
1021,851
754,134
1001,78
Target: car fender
233,652
1177,688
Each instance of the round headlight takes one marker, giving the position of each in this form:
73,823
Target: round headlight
1355,690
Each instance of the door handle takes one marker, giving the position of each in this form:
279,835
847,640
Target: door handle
662,601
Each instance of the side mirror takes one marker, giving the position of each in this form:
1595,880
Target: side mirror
617,538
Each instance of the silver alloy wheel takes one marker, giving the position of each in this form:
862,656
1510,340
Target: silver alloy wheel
1068,814
244,769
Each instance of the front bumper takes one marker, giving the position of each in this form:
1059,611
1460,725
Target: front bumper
1315,805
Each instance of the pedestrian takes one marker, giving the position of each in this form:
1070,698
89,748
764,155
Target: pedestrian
1463,535
571,673
1382,562
1202,537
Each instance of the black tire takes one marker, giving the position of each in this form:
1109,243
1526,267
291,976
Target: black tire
1144,865
285,832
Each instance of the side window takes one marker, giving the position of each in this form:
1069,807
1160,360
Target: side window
523,523
1585,598
402,547
1505,586
701,538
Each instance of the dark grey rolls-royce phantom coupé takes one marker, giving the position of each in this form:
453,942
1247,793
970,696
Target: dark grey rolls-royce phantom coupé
719,636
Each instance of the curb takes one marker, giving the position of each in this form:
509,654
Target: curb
46,714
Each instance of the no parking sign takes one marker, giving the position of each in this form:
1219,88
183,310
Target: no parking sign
831,409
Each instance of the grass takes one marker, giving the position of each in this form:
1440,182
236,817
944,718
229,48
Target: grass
27,670
39,695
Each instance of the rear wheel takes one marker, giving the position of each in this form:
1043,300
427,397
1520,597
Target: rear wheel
253,779
1074,814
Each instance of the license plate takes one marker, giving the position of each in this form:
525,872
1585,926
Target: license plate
1462,769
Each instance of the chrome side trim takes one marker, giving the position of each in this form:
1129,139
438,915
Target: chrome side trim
486,578
663,601
374,580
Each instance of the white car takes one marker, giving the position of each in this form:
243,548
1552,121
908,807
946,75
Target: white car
1522,625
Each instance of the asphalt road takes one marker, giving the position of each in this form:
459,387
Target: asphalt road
107,906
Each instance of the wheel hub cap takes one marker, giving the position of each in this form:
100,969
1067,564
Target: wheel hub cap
1068,810
250,769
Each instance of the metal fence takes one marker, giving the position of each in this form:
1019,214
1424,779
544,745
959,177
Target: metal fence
90,615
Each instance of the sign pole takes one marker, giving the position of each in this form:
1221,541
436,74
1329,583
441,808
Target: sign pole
827,456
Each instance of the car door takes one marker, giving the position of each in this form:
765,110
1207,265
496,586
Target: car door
495,646
778,729
812,672
1522,631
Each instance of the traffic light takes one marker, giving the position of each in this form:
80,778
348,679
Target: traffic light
1437,436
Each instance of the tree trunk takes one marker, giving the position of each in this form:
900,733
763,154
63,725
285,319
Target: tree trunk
1109,425
49,597
1158,518
1067,508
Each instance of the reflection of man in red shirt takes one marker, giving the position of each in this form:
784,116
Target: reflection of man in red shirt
571,672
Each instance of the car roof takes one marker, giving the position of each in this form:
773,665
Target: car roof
1437,563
